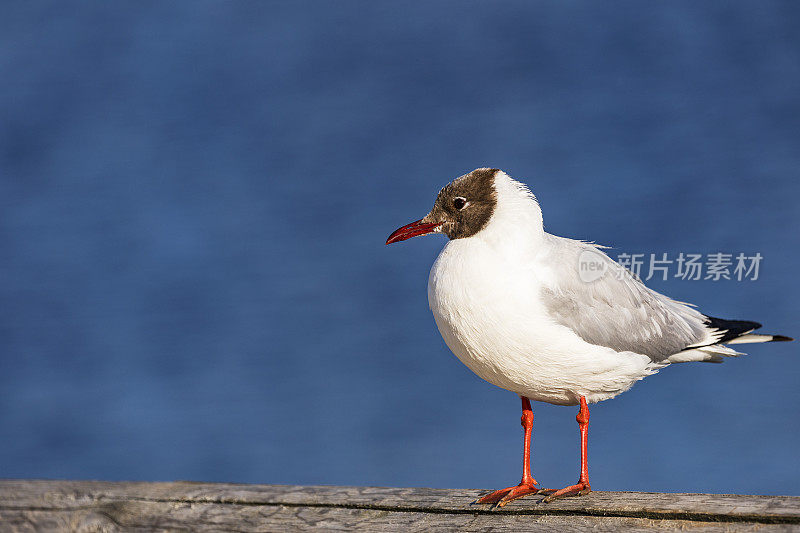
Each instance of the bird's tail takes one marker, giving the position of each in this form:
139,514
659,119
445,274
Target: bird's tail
752,337
739,332
727,332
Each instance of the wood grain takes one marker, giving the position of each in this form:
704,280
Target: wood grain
42,505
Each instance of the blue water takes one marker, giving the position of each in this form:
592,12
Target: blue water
194,198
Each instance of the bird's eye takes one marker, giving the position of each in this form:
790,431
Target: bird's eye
459,202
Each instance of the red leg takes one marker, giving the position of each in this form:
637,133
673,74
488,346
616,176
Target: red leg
527,485
582,487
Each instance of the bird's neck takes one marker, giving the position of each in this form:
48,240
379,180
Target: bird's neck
517,219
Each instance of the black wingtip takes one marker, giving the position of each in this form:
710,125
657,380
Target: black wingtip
781,338
731,328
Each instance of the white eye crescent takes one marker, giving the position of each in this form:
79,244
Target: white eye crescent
459,202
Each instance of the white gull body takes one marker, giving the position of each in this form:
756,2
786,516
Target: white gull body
511,305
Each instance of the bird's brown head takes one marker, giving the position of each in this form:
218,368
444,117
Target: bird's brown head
462,208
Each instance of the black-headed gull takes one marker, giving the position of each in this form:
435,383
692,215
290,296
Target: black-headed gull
513,305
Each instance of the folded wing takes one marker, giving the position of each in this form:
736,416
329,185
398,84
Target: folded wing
618,311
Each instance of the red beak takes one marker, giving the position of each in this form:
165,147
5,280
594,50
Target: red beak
411,230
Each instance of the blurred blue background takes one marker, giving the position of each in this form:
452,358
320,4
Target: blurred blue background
194,198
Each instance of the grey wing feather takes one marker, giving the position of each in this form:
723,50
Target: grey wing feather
617,310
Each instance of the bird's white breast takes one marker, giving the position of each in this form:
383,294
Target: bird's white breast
486,302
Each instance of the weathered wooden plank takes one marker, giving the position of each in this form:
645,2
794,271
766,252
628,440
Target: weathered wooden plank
149,516
654,505
27,505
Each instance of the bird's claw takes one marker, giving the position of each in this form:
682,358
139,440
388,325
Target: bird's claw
501,497
579,489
